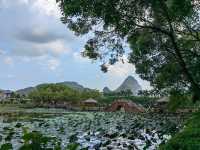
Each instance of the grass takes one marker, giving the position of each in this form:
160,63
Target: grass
188,139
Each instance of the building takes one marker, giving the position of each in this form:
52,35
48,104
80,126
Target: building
163,100
161,104
5,94
125,106
1,95
90,103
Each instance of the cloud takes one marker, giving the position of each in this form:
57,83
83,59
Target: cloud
38,35
121,69
55,48
47,7
53,64
8,61
33,34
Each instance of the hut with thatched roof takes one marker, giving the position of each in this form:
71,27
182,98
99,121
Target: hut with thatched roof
126,106
161,104
90,103
163,100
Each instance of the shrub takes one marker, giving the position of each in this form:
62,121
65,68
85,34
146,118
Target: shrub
188,139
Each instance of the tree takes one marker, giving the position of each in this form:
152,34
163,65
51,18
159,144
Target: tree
163,35
53,93
128,92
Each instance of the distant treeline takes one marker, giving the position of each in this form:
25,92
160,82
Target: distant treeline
57,92
143,100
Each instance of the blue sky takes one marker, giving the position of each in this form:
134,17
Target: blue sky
35,47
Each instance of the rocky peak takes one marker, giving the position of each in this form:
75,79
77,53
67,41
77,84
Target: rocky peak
106,90
130,83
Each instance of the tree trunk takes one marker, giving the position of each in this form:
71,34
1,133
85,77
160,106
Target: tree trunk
195,87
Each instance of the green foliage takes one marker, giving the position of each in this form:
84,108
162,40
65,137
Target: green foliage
179,100
163,36
36,141
52,93
188,139
73,146
121,93
15,95
6,146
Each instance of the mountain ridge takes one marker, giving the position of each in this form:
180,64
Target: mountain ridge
130,83
71,84
106,90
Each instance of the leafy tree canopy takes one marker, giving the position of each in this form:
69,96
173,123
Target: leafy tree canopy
163,35
60,93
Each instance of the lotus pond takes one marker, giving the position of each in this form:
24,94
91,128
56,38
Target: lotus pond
92,130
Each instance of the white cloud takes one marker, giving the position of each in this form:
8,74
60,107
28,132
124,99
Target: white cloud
53,64
47,7
55,49
8,61
44,7
121,69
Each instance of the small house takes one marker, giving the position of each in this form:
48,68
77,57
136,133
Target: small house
1,95
161,104
125,106
90,103
5,94
163,101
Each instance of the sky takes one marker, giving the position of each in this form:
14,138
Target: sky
35,48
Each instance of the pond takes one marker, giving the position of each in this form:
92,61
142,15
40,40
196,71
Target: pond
93,130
